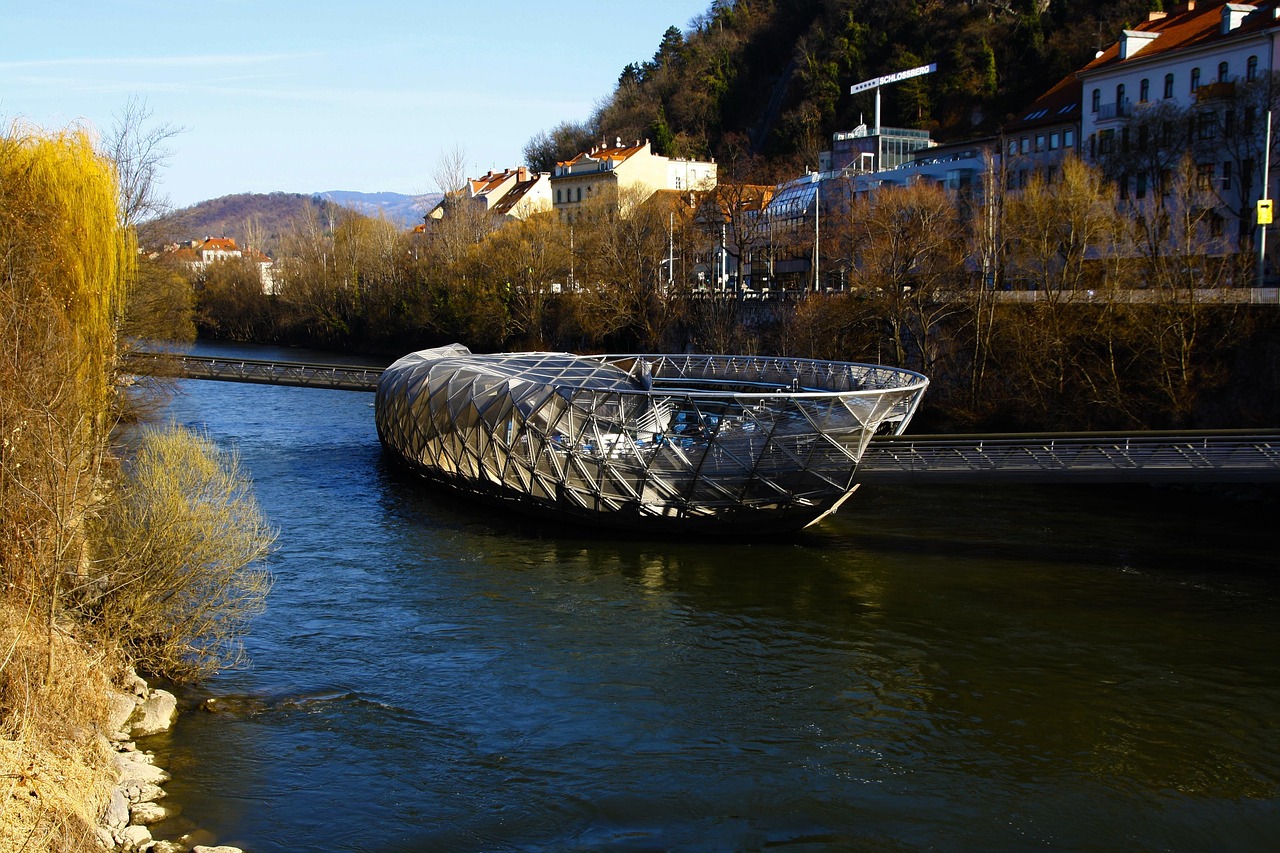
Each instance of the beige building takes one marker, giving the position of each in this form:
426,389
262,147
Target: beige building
618,168
514,193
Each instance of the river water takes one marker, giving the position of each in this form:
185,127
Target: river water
933,668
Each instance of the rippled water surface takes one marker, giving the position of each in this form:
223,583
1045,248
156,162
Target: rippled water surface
942,668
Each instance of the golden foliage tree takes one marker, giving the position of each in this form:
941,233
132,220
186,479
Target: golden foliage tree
64,267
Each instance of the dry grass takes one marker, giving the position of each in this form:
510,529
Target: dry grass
54,766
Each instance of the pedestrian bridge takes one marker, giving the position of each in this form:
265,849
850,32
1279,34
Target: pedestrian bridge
1219,456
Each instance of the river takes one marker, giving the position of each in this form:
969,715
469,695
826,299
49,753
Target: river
958,668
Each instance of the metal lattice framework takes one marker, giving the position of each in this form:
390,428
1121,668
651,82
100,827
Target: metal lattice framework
694,441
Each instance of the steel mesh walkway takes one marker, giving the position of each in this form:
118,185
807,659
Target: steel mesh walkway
345,377
1135,457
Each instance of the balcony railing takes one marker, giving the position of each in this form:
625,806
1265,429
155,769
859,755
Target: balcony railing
1120,109
1215,91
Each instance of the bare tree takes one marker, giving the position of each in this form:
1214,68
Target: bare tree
139,150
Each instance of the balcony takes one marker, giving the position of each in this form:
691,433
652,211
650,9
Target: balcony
1110,112
1215,91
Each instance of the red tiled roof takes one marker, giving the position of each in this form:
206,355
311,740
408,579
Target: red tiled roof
491,181
225,244
1059,104
1183,28
508,202
616,153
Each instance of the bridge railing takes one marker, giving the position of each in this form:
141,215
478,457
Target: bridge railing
345,377
1220,455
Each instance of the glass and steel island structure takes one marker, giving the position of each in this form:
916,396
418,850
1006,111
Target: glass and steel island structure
699,444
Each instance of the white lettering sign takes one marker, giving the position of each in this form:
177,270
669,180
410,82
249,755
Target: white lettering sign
894,78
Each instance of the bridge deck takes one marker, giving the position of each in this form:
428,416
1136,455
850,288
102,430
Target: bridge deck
1134,457
345,377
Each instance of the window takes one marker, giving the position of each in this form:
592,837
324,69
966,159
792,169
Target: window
1249,114
1142,137
1039,142
1195,79
1013,147
579,194
1229,124
1068,138
1097,99
1208,125
1106,141
1120,100
1226,175
678,184
1144,90
1168,85
1140,185
1223,72
1204,176
1123,181
557,196
1024,145
1054,139
1251,69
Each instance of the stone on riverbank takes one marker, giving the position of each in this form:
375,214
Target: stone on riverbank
135,837
148,814
156,714
135,768
120,709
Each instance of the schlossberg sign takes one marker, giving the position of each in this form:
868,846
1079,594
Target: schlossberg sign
894,78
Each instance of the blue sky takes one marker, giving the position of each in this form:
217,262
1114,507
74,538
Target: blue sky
308,97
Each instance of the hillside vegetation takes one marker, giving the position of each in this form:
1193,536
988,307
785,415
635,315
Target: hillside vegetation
256,220
772,77
261,220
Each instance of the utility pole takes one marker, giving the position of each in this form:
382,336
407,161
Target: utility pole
817,208
1264,210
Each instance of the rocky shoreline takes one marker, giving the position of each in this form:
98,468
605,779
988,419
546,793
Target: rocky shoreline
134,804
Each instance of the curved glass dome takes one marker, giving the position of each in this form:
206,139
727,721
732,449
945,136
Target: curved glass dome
705,443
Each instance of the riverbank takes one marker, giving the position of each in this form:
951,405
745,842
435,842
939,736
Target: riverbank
135,803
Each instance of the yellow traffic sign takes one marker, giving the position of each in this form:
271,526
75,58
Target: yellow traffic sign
1264,211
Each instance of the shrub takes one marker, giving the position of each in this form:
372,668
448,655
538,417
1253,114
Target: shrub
178,575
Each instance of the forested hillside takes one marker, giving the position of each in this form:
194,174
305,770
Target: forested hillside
772,77
255,220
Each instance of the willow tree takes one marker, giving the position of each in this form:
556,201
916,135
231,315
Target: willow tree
64,266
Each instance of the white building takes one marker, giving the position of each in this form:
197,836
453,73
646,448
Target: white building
613,169
1192,81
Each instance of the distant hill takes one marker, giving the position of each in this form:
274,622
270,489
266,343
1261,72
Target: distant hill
398,208
259,220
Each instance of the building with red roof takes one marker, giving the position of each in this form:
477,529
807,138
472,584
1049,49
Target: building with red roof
614,169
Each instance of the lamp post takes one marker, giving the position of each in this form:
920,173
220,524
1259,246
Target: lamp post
1264,209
